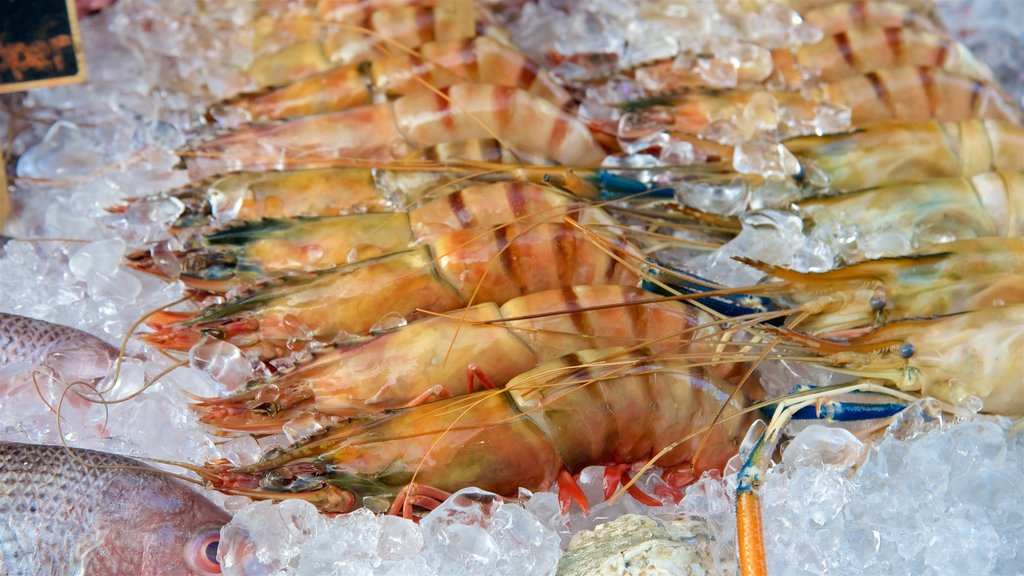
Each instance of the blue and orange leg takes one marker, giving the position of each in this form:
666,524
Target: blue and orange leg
810,404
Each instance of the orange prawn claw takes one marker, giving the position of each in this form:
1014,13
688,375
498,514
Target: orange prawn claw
417,495
618,475
569,491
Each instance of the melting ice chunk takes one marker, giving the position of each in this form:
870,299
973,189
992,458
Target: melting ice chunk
65,151
472,533
220,362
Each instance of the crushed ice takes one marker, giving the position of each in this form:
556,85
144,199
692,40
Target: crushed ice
912,504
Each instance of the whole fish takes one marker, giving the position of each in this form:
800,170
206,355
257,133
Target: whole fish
72,354
60,517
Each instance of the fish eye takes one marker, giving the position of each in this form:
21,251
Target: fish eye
201,551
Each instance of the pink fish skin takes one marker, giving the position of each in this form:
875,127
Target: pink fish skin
71,354
64,515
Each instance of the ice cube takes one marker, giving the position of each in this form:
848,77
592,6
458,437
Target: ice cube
265,537
242,450
639,131
648,42
718,72
301,427
727,196
475,532
220,362
399,539
631,166
97,258
390,321
820,446
765,157
65,151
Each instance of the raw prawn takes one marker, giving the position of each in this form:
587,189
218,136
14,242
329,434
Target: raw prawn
410,365
876,154
945,357
946,279
949,357
345,43
255,251
866,225
482,60
842,16
898,94
588,408
893,152
989,204
353,189
470,266
848,52
459,112
867,49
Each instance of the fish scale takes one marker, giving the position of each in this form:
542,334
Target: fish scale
58,516
30,340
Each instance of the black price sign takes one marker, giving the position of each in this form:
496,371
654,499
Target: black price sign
39,44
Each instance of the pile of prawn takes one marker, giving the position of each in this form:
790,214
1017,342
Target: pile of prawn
406,161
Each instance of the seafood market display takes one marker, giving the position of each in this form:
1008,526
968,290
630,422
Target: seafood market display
94,513
426,287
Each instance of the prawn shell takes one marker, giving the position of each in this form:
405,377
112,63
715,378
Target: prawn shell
273,245
1002,194
508,261
892,152
951,278
867,49
345,300
397,366
842,16
487,442
918,93
943,211
610,407
324,191
469,111
971,353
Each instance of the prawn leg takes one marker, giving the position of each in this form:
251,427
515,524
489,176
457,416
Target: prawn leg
749,528
417,495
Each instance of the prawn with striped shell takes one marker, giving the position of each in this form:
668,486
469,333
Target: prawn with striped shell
873,155
907,93
457,269
378,132
255,251
610,406
330,39
483,60
355,189
411,365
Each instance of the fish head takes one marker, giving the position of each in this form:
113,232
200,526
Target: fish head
160,527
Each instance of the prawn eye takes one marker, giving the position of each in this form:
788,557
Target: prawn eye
907,351
201,551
